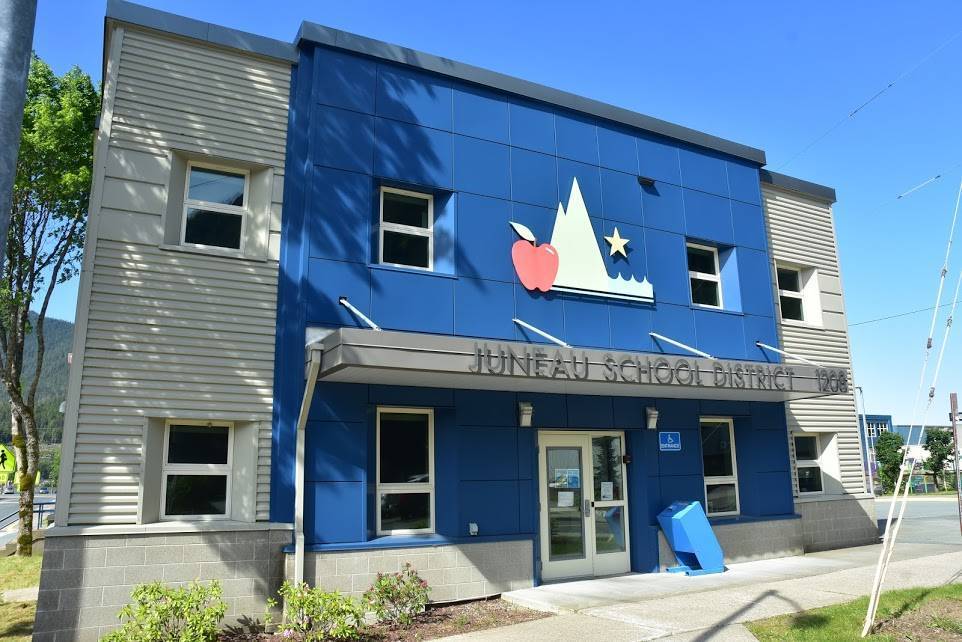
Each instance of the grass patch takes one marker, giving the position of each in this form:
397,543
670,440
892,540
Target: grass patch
843,622
16,621
19,572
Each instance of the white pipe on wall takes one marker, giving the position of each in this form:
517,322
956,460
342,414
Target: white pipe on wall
313,369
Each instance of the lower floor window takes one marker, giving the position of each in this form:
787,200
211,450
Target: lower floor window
196,470
405,471
807,464
718,462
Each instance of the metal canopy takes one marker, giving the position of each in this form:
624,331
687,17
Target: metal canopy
352,355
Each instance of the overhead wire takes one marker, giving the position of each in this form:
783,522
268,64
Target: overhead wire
899,315
878,94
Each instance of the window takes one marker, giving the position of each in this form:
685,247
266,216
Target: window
215,206
790,293
407,228
405,471
196,480
718,462
807,464
704,276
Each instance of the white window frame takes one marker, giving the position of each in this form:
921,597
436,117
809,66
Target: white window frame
407,487
722,479
190,203
704,276
196,469
410,230
791,294
810,463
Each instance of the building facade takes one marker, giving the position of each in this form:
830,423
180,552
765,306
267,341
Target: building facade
346,305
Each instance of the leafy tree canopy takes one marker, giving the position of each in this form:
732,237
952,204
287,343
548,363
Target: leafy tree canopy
939,444
44,241
888,453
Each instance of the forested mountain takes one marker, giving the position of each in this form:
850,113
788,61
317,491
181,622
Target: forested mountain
52,389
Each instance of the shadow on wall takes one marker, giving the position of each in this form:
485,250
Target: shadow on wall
342,211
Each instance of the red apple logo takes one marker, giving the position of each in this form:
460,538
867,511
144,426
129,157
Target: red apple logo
536,265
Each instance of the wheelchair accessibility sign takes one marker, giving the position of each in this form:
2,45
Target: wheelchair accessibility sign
669,441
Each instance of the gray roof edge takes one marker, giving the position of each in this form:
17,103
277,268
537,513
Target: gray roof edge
336,38
136,14
821,192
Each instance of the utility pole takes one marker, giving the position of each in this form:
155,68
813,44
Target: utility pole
17,18
954,410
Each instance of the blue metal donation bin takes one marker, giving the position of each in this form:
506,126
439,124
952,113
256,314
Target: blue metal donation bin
690,536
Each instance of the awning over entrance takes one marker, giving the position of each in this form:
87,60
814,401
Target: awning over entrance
354,355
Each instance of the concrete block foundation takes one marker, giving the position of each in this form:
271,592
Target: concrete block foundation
453,571
837,522
87,579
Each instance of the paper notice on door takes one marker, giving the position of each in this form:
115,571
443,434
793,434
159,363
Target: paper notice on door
607,491
566,499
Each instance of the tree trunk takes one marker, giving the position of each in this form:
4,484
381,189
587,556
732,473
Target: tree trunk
26,449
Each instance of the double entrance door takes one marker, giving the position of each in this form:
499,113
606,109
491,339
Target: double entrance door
584,504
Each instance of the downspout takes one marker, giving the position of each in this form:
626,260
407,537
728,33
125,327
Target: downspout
313,368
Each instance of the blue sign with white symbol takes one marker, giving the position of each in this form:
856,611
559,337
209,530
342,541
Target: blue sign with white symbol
669,441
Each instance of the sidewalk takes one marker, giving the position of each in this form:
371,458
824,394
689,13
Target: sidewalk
653,606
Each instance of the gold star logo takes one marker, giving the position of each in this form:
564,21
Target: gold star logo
617,244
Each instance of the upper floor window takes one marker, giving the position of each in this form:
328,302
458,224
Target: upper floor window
196,478
790,293
807,463
704,275
718,464
406,228
215,206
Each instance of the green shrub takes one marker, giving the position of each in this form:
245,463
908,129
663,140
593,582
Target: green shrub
163,614
312,614
398,598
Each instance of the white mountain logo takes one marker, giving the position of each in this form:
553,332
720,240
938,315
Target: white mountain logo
581,268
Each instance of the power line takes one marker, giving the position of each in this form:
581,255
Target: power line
902,314
872,99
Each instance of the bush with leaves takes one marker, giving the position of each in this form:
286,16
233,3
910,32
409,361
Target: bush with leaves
312,614
398,598
160,613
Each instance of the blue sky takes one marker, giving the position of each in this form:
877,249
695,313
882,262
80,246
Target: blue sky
770,75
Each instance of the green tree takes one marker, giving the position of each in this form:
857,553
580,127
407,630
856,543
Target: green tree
44,246
888,453
939,444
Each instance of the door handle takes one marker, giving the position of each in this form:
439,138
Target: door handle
587,508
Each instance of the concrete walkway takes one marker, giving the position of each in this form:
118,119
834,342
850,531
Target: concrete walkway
662,605
21,595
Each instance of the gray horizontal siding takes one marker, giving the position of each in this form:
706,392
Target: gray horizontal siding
801,231
173,334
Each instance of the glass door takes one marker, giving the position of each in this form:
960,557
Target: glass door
609,505
584,527
564,508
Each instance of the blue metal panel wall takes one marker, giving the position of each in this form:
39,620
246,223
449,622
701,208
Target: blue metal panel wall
485,465
489,158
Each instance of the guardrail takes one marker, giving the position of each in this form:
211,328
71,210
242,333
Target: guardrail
39,510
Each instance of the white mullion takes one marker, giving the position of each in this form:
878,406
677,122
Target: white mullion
722,479
705,276
192,203
400,228
400,488
206,470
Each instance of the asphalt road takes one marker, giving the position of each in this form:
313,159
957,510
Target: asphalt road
926,521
